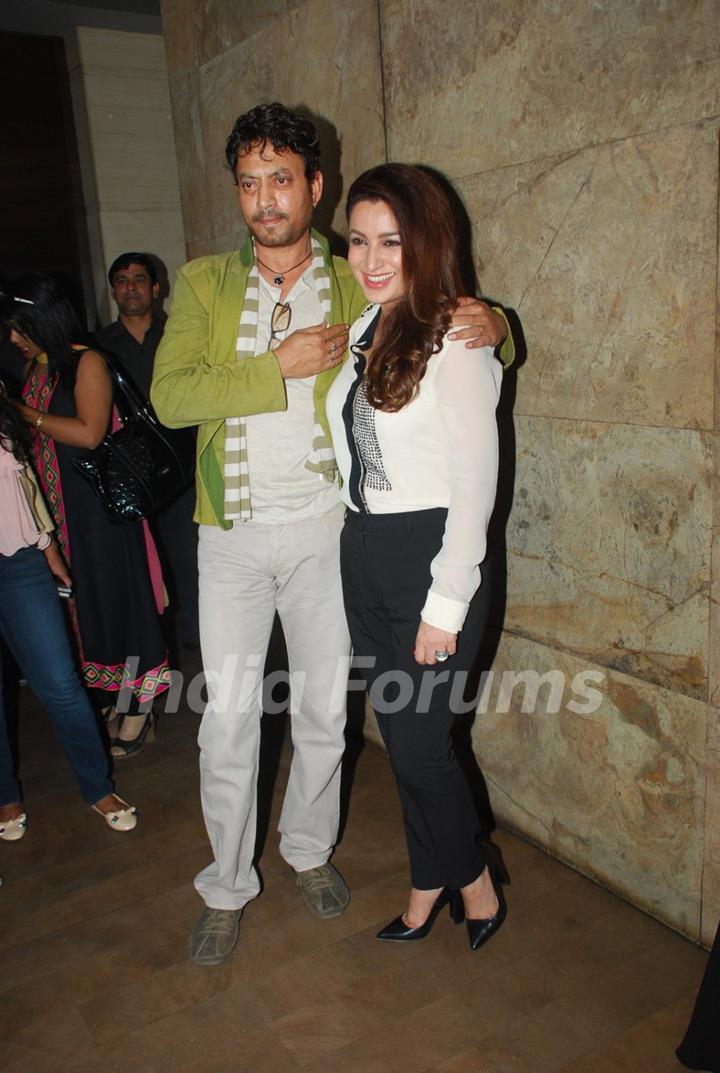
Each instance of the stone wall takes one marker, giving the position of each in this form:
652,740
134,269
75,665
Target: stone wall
583,138
223,59
127,153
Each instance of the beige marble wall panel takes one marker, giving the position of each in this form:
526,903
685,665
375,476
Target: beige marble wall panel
484,85
714,667
713,734
609,258
608,546
182,27
190,148
214,244
222,27
714,684
711,871
335,75
618,791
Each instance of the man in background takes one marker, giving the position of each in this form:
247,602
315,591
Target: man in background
133,340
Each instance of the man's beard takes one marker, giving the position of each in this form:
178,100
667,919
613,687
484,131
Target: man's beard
284,234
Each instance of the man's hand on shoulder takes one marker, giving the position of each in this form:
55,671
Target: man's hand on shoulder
312,350
481,325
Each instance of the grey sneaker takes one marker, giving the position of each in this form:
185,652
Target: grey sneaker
324,891
213,938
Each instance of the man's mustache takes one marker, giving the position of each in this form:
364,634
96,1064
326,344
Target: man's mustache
268,215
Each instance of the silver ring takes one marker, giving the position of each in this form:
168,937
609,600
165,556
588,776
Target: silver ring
442,656
332,350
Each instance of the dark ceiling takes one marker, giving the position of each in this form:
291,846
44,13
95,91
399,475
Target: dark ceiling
140,7
56,17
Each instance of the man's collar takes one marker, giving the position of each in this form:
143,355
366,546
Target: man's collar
247,254
157,320
157,323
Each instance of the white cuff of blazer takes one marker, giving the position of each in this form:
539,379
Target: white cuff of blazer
444,613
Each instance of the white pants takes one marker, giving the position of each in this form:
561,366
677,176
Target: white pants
246,574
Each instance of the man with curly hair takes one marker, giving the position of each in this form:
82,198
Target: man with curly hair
253,342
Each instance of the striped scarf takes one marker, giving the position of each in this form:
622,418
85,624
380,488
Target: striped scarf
321,458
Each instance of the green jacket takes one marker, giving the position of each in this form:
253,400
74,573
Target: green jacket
197,379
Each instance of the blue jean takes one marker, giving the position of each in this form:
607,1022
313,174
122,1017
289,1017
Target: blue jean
32,625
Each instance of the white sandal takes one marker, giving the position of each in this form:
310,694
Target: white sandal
12,830
125,819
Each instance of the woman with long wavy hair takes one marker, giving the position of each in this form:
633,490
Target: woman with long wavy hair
32,626
68,404
412,415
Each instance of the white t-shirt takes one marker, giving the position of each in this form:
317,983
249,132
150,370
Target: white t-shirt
441,450
281,488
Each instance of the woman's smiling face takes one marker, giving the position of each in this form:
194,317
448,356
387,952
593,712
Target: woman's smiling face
375,251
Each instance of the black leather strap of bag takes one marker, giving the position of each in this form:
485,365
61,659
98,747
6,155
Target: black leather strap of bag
126,395
132,405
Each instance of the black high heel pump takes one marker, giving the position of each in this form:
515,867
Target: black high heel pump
479,931
398,931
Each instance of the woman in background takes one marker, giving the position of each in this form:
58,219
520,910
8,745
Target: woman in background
67,397
32,625
414,431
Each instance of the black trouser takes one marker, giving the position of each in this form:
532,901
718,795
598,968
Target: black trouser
178,539
385,563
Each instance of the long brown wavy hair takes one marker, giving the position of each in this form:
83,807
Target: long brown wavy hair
414,327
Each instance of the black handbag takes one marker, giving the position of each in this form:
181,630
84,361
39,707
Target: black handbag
140,468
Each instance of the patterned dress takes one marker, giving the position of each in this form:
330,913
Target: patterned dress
114,611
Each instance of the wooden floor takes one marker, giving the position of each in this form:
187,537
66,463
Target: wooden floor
95,979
